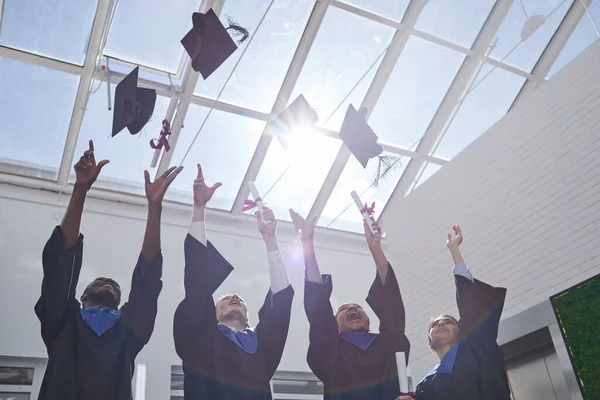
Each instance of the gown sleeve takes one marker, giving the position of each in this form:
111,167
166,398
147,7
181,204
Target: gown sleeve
195,318
273,326
323,333
139,313
61,269
480,307
386,302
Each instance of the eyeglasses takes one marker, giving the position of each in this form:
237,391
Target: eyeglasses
443,321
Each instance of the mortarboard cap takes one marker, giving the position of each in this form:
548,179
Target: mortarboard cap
361,140
209,44
298,114
133,105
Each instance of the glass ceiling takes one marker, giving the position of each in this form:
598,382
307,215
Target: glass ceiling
399,59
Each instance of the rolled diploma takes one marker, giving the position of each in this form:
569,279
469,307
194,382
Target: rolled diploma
365,214
257,199
402,373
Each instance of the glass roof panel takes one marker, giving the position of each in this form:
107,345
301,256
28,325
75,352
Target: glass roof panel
428,170
259,75
148,32
414,92
583,36
457,22
341,207
37,103
224,148
58,29
483,107
334,67
129,155
309,159
526,54
393,9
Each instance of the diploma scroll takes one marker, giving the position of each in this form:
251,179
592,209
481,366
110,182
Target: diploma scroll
257,200
364,213
402,373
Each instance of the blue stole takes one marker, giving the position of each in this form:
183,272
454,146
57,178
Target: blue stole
447,362
359,339
246,339
100,319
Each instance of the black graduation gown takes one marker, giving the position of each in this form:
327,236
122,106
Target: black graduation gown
81,364
215,367
478,372
347,371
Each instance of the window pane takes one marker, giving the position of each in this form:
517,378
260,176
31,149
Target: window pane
457,22
309,160
583,36
482,108
224,147
129,155
39,102
333,67
393,9
55,28
258,78
16,376
14,396
426,172
414,92
355,177
148,32
525,55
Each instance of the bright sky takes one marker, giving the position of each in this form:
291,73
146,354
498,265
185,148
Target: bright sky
37,102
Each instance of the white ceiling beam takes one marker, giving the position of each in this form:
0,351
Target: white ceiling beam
285,92
96,43
230,108
190,79
40,60
553,50
459,85
375,89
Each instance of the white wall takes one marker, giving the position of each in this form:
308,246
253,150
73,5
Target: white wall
113,234
527,194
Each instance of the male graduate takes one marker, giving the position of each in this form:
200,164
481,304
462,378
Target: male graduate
223,358
471,362
92,346
352,362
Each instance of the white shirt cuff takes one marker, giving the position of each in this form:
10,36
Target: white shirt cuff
198,231
279,277
461,269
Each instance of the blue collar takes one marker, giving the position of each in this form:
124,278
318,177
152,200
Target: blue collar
246,339
100,319
359,339
447,363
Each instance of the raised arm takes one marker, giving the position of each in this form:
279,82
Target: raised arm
205,270
62,255
139,313
479,304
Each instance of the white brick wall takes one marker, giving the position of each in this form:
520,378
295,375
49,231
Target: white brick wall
527,194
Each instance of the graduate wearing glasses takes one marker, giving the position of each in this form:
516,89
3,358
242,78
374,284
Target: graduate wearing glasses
471,362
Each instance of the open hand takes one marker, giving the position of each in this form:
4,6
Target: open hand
305,228
270,229
86,169
454,242
372,241
203,193
155,191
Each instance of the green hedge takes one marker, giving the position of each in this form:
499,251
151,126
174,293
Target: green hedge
578,311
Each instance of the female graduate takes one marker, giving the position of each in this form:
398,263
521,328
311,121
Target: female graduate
223,358
471,362
352,362
92,348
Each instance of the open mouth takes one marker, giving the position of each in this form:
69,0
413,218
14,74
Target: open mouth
353,316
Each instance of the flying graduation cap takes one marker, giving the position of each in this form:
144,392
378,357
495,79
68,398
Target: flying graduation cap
298,114
361,140
133,105
209,44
